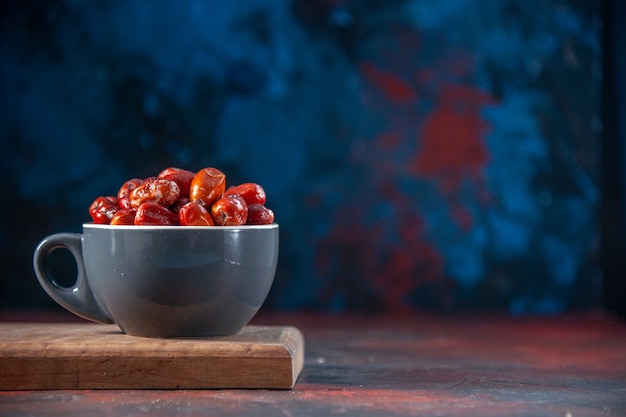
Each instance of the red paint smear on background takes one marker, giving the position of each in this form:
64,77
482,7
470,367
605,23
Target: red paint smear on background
461,216
451,140
409,263
389,140
390,85
364,262
459,64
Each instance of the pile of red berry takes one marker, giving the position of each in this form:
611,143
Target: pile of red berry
180,197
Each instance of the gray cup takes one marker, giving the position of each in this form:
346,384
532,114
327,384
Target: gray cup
165,281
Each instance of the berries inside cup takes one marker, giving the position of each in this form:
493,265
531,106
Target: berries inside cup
178,197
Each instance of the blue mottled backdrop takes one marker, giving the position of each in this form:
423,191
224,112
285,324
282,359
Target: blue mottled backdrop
418,155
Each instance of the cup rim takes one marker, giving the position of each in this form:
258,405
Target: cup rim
91,225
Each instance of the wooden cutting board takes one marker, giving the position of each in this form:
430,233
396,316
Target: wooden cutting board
94,356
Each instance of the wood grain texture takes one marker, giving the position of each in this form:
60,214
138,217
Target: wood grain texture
396,365
92,356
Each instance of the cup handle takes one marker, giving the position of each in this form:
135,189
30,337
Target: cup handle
79,298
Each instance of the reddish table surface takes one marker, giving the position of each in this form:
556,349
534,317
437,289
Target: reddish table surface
411,364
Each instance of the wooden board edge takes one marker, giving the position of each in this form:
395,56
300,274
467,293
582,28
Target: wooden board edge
293,341
278,368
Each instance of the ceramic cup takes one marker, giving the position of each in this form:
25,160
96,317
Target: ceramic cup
165,281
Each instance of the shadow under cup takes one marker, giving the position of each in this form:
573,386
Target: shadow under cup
169,281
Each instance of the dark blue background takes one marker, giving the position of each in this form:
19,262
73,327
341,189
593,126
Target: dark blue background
443,156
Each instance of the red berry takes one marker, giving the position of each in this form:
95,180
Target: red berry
194,214
207,186
163,192
154,214
124,216
102,209
251,192
230,210
259,214
123,194
181,177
